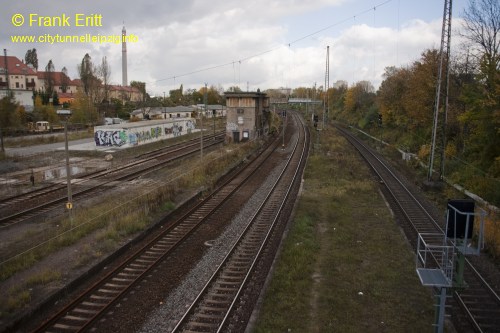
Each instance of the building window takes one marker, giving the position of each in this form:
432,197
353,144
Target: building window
240,111
17,84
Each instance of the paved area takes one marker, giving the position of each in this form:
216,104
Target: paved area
83,144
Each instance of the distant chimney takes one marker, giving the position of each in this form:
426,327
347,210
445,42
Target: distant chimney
124,58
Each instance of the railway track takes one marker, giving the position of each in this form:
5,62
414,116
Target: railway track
23,207
479,302
212,308
83,311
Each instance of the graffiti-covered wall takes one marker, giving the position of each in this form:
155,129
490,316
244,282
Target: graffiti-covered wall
133,134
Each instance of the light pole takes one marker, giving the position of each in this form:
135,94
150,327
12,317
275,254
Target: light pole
204,112
69,204
164,107
213,116
283,114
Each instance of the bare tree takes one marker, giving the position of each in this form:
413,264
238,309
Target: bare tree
482,30
104,73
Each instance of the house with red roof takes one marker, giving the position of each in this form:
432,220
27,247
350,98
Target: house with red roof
23,79
19,78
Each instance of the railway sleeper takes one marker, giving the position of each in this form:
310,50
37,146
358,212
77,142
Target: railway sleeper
74,318
104,298
213,310
226,289
93,304
108,291
225,297
145,260
236,269
67,327
204,327
128,270
154,251
217,303
85,311
235,274
122,280
204,317
112,285
231,277
229,283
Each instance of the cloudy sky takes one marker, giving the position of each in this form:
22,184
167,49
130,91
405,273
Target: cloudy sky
254,43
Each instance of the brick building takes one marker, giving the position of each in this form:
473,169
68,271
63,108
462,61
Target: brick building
247,115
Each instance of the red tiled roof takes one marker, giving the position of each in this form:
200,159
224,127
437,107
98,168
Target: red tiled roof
15,66
56,76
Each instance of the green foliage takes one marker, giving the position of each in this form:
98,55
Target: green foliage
405,100
7,112
31,58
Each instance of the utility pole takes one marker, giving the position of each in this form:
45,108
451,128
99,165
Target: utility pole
327,83
201,119
2,147
69,204
443,67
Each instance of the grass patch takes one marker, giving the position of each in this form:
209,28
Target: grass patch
20,296
345,266
43,278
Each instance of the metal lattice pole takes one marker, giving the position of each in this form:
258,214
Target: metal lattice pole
442,92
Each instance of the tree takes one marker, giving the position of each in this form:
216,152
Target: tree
390,96
482,29
176,95
141,86
55,98
31,58
358,100
64,80
235,89
482,118
8,108
49,77
86,71
91,86
104,72
82,111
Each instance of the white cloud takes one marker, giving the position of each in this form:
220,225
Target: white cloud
178,37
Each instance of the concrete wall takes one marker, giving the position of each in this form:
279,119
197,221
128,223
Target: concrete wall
143,132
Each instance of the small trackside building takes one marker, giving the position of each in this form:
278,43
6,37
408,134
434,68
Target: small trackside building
247,115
